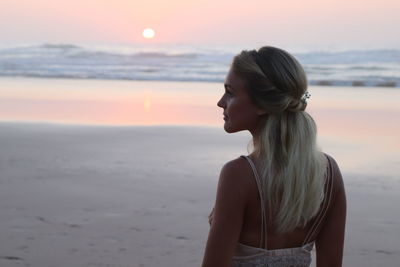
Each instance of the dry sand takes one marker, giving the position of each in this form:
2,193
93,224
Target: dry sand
140,196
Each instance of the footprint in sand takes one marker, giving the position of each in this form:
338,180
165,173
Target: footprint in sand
180,237
11,258
385,252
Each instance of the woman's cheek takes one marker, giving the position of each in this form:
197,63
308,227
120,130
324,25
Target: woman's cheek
231,102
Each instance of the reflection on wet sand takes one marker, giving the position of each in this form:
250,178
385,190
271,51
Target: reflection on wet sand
360,124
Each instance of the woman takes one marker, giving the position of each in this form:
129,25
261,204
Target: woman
273,205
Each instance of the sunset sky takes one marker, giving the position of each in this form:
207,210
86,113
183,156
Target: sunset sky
302,23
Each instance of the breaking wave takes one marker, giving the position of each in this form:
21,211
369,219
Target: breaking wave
188,63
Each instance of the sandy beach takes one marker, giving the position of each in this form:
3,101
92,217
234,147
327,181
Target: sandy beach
119,196
130,196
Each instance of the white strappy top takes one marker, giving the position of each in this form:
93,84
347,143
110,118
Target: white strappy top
246,256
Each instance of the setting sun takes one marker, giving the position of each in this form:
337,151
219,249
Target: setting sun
147,105
148,33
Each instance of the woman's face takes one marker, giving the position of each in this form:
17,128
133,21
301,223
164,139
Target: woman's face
240,113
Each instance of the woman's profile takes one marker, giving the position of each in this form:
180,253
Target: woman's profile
286,196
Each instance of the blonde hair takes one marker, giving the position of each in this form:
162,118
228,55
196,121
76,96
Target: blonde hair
292,168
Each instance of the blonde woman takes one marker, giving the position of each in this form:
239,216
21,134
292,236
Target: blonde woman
273,205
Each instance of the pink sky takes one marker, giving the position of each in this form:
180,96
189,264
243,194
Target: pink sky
304,23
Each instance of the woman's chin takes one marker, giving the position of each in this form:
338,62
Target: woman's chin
228,128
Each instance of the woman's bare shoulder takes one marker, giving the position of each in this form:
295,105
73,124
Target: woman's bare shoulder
235,164
338,184
330,239
237,171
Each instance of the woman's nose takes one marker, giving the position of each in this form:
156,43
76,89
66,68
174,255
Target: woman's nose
221,103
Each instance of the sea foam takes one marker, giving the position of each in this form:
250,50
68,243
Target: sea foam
188,63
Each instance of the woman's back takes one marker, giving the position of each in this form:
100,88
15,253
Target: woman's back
259,243
251,230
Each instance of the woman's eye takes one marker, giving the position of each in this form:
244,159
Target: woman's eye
228,92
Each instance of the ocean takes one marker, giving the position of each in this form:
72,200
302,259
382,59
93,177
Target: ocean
368,68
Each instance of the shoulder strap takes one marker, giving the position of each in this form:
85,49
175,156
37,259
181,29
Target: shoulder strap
263,239
328,191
